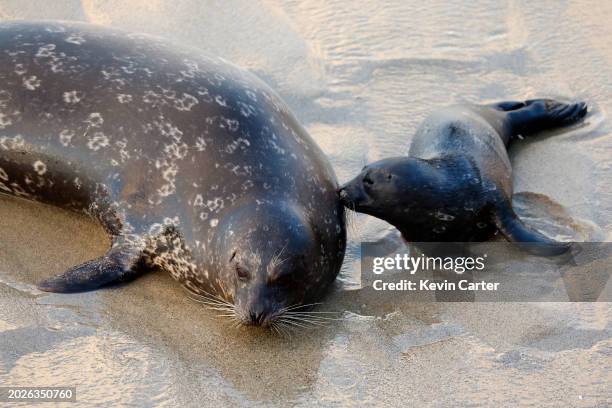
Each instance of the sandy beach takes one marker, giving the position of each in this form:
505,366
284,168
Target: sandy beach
360,77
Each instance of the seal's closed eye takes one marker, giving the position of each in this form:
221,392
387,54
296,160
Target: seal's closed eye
242,273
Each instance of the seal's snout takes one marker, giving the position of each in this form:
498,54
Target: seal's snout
352,193
257,318
343,194
257,315
346,195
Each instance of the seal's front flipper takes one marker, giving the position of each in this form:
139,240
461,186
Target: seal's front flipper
537,115
120,264
511,226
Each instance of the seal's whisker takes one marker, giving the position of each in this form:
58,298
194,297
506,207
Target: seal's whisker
315,312
217,307
308,320
276,259
296,320
314,318
309,316
305,323
299,323
220,300
214,306
278,328
211,301
224,308
207,298
206,295
211,298
229,311
298,306
284,329
287,331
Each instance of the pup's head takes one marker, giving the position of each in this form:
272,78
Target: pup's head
386,188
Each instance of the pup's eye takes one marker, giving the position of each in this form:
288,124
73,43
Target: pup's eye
389,176
242,273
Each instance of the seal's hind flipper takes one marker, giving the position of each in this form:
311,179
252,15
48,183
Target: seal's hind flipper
120,264
541,114
508,106
511,226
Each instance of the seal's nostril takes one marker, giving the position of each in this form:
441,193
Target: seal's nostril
257,318
367,180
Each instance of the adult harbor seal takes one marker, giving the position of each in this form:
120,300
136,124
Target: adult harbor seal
455,184
191,164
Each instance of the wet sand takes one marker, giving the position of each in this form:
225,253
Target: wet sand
360,78
146,343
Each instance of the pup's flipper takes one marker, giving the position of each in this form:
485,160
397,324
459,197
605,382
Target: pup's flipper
120,264
536,115
532,241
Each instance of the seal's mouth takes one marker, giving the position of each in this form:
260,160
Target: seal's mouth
344,195
228,310
353,196
280,320
300,317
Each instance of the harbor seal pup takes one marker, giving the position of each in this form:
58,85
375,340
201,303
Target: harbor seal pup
456,182
191,165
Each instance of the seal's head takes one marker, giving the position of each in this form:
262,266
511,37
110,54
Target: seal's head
270,261
387,188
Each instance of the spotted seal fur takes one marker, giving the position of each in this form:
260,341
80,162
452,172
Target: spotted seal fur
191,164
